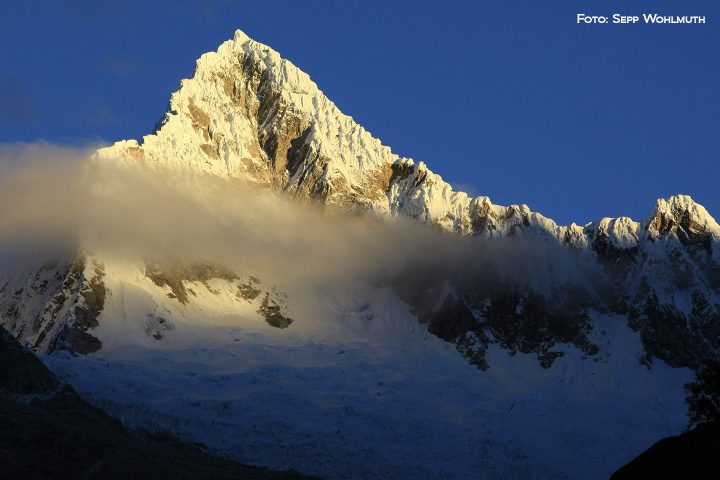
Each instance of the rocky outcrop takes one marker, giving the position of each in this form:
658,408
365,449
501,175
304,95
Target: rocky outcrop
175,274
275,313
178,275
476,309
54,305
248,290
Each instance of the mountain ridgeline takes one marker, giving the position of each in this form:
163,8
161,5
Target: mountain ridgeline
247,114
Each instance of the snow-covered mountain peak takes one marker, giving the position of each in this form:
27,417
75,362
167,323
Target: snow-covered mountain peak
240,36
248,113
681,212
622,232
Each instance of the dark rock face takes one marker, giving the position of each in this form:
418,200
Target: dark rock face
676,305
91,295
451,318
693,455
55,434
274,313
156,326
173,274
57,306
525,322
474,309
248,290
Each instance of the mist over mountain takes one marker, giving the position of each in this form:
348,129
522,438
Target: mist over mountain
262,275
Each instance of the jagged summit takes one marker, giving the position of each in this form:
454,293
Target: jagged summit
240,36
679,214
248,113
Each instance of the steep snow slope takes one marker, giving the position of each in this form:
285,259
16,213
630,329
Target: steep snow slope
356,388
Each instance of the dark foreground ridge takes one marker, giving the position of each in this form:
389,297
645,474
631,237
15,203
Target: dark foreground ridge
48,431
690,456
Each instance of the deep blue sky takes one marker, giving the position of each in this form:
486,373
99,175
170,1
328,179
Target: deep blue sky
509,99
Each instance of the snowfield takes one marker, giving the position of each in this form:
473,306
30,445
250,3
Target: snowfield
360,390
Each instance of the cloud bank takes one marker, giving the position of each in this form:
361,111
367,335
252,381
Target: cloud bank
57,197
